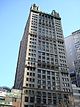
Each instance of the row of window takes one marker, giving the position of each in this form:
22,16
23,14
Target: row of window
47,66
33,29
39,86
65,79
61,60
45,74
46,27
46,24
61,49
32,50
31,38
44,64
45,57
46,30
43,48
62,53
66,89
44,94
66,84
33,32
62,56
31,73
30,79
46,54
46,43
46,34
46,39
49,99
59,36
32,54
32,42
39,100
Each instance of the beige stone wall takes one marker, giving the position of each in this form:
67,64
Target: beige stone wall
16,104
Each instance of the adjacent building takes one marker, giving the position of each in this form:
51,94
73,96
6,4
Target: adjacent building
10,98
72,43
42,72
76,95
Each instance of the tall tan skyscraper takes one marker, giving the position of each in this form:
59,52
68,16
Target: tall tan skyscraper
42,73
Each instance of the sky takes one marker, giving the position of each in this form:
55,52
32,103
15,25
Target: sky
13,17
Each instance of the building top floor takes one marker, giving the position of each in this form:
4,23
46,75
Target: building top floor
54,14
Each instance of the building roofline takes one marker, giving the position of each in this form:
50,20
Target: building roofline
54,14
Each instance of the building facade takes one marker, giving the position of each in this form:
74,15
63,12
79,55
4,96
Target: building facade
10,98
76,95
42,72
72,43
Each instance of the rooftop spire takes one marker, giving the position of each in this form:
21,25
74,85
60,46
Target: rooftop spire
34,7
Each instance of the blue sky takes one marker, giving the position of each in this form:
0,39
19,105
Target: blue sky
13,16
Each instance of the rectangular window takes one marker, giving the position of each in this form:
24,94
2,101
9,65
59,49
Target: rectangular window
32,99
26,99
39,70
25,105
39,75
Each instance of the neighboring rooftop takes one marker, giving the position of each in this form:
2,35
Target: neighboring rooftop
4,88
77,31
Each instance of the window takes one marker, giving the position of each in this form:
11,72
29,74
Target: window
52,59
26,99
38,100
33,80
54,102
25,105
49,83
27,73
53,73
32,99
78,91
43,71
47,54
32,85
49,101
39,81
39,70
43,57
39,75
53,83
44,87
30,74
30,79
39,86
27,85
44,101
44,94
48,77
31,106
26,79
44,82
43,77
43,53
48,72
49,95
53,78
33,74
47,58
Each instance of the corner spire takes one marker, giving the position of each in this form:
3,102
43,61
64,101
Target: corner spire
34,7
